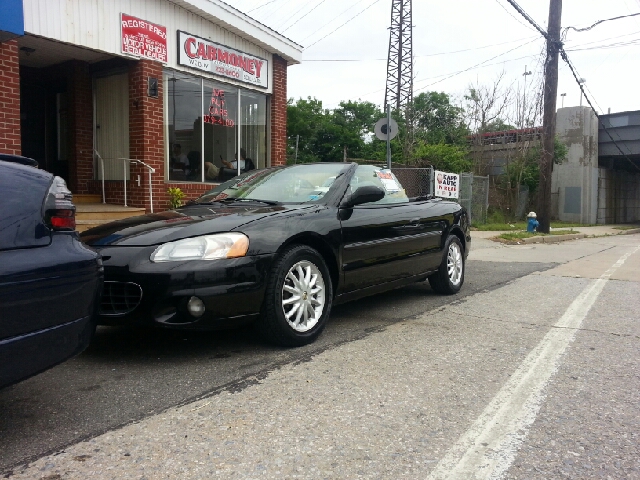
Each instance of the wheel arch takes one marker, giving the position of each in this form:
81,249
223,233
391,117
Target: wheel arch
316,242
455,230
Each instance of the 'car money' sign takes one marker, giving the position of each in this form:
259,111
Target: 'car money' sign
447,185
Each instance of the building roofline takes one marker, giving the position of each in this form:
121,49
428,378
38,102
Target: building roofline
240,23
628,112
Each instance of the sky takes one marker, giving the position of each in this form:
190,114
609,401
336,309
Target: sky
456,43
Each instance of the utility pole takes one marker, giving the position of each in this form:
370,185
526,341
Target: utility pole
549,116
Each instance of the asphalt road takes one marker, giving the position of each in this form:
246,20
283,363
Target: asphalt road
401,385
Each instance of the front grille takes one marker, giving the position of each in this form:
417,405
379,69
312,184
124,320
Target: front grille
120,298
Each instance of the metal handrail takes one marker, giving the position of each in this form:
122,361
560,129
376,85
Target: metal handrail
101,174
149,168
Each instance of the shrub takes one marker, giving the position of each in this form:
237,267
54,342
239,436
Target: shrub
175,197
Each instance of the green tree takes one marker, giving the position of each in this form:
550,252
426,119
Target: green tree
498,125
325,133
449,158
525,170
305,118
437,120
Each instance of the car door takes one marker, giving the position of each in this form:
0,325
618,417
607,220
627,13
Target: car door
386,240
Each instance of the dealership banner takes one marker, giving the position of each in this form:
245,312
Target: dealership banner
205,55
143,39
447,184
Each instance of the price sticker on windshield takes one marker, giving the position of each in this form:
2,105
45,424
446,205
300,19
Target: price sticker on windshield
388,180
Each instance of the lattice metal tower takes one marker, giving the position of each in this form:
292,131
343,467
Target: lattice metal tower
399,91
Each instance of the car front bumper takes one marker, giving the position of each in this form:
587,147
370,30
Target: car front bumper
232,290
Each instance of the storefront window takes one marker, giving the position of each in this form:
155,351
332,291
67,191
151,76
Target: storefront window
220,130
253,108
204,129
184,95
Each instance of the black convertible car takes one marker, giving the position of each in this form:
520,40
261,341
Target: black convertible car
281,246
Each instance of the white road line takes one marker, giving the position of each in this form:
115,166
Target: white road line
489,447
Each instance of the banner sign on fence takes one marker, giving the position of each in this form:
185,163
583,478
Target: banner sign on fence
447,185
143,39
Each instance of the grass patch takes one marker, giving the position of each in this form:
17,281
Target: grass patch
515,226
516,235
513,236
626,227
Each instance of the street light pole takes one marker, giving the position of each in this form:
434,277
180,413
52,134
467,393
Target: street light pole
582,82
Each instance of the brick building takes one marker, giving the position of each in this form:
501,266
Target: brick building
155,92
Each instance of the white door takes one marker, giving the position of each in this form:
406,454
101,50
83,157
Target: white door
112,125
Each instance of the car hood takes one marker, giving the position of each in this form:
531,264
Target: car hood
171,225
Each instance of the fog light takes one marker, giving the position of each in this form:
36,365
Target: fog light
195,307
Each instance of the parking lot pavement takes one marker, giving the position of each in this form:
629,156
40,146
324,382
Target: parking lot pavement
535,379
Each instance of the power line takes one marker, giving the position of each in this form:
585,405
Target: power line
477,65
526,16
416,56
331,21
304,15
512,15
603,39
337,28
565,57
453,74
282,24
260,6
608,46
566,30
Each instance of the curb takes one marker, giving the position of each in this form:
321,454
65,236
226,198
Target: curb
630,231
555,238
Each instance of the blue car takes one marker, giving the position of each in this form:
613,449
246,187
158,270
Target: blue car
50,282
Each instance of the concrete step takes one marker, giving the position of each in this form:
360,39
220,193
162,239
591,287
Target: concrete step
105,211
86,198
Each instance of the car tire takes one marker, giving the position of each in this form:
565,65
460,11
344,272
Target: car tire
450,275
297,299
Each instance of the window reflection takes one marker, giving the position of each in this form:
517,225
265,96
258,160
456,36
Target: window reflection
253,108
185,146
220,129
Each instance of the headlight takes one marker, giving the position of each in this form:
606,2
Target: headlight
207,247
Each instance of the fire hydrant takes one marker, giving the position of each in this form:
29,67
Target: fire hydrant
532,223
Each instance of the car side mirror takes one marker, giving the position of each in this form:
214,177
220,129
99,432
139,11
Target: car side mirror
364,194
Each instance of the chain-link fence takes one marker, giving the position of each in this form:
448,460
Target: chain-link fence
417,182
474,196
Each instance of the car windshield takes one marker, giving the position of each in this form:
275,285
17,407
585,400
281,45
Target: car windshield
295,184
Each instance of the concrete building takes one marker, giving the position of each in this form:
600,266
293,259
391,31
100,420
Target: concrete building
619,165
174,86
574,183
597,183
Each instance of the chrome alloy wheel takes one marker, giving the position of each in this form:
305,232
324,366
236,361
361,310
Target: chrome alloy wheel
454,263
303,296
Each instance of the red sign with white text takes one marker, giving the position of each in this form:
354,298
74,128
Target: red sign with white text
143,39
